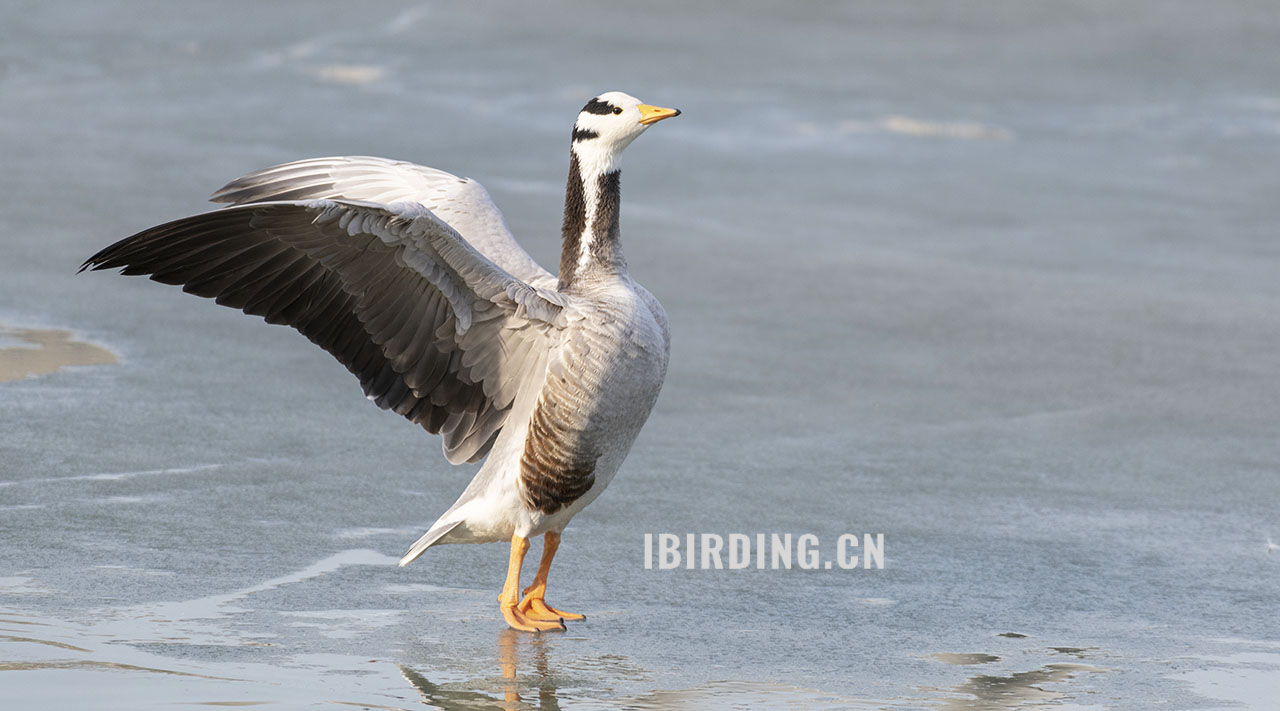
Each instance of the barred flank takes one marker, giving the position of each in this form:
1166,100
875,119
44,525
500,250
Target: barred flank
553,471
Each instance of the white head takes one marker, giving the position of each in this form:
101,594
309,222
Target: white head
607,125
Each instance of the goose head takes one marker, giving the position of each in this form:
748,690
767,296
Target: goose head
608,124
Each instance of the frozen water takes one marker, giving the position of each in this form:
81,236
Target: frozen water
998,280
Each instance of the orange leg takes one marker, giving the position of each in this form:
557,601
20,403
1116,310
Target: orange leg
507,600
533,606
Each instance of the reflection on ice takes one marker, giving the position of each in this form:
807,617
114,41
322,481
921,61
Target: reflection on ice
539,685
531,678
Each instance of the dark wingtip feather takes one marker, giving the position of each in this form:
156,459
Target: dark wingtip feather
103,258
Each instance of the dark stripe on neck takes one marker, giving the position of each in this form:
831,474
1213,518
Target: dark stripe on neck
596,106
575,222
583,134
606,248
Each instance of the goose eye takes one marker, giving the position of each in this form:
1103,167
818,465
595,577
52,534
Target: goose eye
617,110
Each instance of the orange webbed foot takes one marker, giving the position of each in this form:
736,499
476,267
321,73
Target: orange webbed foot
535,608
519,620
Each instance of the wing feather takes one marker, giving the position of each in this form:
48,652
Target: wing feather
430,326
462,203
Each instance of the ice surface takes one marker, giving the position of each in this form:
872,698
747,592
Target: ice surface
998,280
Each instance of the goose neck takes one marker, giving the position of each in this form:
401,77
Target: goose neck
591,241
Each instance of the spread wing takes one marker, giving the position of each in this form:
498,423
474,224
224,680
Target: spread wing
461,202
434,330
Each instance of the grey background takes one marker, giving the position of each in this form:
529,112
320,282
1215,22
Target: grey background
997,280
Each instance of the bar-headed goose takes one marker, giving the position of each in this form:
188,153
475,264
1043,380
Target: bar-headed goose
409,276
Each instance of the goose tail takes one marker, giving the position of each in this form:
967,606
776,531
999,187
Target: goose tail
430,538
